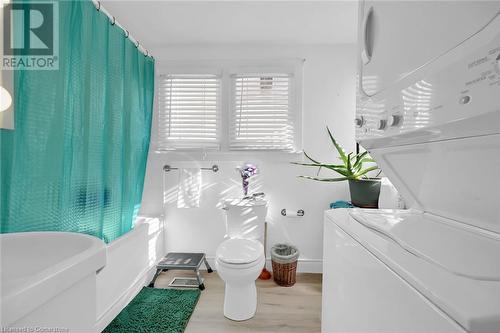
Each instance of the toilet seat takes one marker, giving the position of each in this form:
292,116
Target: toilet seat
239,252
240,268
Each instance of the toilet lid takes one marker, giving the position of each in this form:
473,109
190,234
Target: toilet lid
239,251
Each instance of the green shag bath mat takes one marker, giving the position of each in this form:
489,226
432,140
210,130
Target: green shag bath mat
156,310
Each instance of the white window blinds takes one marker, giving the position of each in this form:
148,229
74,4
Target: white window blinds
189,111
261,114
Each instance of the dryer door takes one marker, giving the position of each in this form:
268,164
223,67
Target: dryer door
397,37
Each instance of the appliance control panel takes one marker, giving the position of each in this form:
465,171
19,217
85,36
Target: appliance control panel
463,83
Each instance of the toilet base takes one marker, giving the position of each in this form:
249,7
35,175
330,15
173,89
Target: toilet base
240,301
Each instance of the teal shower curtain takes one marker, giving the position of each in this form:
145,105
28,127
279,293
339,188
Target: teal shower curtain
76,160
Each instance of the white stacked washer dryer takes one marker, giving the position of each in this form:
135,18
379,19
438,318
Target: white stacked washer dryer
428,110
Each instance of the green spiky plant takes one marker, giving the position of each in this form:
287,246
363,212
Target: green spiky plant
350,169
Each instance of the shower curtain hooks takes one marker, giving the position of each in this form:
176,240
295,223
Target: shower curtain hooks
113,21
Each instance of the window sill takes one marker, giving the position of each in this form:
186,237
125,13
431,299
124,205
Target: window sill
199,155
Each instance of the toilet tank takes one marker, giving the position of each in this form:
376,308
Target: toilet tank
245,218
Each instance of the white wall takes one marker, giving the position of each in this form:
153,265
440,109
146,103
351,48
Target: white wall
328,99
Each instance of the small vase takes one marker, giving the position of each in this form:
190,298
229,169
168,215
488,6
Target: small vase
245,184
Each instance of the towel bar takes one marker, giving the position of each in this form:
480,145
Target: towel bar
168,168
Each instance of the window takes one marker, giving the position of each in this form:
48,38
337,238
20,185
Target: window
262,112
230,106
189,111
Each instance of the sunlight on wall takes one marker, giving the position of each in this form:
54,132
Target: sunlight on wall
224,189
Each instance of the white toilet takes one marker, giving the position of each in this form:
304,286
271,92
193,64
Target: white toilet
240,258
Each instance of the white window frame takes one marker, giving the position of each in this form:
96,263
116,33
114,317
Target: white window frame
227,68
292,68
189,70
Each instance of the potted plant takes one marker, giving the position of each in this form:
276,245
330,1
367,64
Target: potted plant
364,190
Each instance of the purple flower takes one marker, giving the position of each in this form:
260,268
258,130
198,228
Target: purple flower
246,171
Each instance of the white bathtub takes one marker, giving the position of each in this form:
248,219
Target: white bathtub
74,281
130,266
48,279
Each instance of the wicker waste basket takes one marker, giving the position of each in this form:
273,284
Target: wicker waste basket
284,259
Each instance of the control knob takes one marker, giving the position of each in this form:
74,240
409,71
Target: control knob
394,120
359,121
381,124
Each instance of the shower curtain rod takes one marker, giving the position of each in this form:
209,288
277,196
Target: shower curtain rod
113,21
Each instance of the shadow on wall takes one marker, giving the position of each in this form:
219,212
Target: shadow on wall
215,187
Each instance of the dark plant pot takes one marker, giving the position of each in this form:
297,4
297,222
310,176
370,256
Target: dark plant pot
365,192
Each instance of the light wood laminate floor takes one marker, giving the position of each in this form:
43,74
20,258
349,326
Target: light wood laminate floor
279,309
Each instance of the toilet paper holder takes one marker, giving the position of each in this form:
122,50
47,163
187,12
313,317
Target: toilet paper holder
286,212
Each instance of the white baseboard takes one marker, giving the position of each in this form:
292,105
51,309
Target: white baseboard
310,266
303,266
